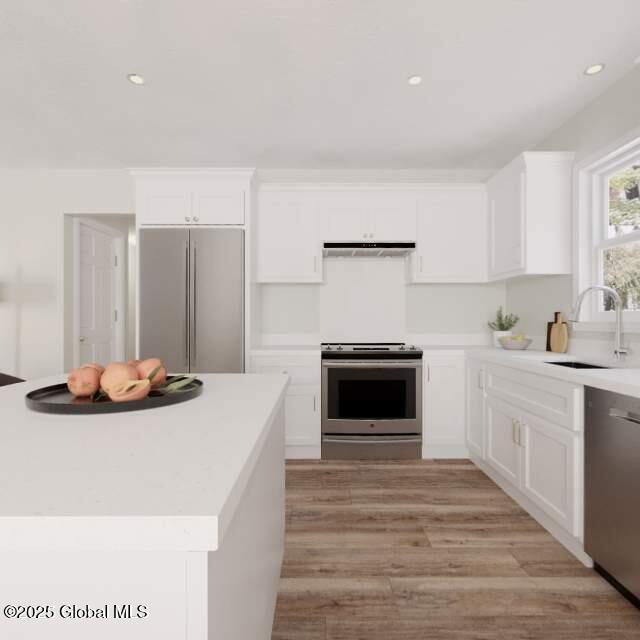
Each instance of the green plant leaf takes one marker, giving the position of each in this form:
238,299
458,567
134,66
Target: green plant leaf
176,385
100,394
154,373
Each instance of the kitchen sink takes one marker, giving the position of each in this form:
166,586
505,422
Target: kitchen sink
578,365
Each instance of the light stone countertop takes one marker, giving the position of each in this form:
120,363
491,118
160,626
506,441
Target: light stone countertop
166,478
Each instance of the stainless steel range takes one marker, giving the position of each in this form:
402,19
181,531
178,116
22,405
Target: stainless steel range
371,401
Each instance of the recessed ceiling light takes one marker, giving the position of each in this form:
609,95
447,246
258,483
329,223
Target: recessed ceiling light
414,81
594,69
135,78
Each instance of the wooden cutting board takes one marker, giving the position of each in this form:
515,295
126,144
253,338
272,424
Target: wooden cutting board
557,334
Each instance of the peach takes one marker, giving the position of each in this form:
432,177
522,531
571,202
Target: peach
83,382
117,373
129,390
94,365
146,368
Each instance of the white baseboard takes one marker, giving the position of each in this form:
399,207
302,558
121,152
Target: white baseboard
561,535
303,453
444,451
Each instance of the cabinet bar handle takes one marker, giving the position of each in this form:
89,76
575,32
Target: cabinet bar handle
624,415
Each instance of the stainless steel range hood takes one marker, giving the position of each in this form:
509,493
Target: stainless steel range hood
368,249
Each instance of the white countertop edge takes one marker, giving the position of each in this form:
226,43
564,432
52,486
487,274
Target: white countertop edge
617,379
109,533
229,508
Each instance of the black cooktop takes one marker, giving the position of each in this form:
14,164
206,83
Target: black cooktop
370,351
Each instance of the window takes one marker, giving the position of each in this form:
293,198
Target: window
608,232
619,250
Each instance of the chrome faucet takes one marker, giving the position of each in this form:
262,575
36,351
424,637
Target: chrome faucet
619,351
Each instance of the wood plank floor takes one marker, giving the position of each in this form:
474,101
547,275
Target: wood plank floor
429,549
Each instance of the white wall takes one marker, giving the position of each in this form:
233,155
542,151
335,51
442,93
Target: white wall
32,208
599,124
449,310
453,309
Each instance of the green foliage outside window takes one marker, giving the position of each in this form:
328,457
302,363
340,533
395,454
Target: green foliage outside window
621,264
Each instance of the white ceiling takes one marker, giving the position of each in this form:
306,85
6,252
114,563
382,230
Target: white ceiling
299,83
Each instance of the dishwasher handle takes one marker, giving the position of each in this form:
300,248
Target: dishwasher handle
625,415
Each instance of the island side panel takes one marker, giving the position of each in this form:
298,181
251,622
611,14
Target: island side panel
244,572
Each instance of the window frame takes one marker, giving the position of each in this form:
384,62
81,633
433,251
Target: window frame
591,215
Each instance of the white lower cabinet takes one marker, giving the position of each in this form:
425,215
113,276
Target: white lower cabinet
475,408
302,417
541,459
502,452
549,469
302,402
443,424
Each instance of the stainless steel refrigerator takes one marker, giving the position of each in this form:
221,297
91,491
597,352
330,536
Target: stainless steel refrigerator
192,299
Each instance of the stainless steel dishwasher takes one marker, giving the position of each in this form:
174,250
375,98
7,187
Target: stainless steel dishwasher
612,488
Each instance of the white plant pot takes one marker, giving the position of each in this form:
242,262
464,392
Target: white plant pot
500,334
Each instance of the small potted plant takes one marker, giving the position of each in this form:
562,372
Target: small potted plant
502,325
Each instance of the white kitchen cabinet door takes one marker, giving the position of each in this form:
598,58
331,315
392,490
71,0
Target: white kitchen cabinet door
530,216
502,451
215,206
443,426
506,212
550,474
475,409
302,416
392,218
185,198
451,243
163,202
289,248
343,217
368,216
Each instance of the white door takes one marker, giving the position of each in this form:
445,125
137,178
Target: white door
288,239
549,473
302,416
451,236
475,409
443,410
95,305
502,450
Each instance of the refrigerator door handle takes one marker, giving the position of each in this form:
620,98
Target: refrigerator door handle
195,307
186,307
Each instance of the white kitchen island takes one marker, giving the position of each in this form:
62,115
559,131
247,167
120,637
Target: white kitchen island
159,524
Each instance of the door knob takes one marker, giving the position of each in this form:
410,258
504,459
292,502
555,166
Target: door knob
187,219
82,338
195,218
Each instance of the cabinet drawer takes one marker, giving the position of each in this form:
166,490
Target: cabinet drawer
303,370
556,400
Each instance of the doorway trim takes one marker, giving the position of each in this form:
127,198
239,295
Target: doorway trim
119,286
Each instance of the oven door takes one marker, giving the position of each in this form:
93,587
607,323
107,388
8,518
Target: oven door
371,397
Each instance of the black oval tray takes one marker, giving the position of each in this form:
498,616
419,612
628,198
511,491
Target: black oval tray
58,399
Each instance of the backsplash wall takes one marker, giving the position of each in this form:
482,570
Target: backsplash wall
429,309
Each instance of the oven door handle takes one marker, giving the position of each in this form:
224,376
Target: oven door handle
371,439
373,364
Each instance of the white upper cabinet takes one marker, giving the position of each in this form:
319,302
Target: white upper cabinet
289,248
373,215
451,243
213,197
530,216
